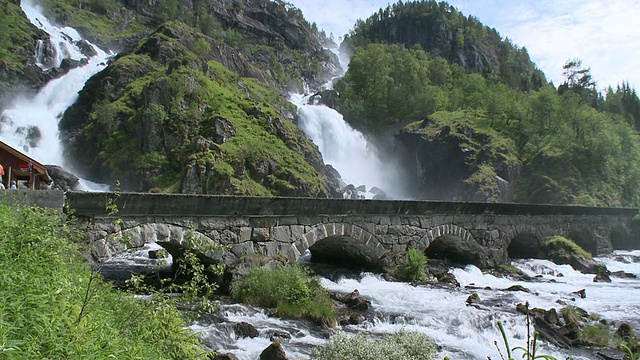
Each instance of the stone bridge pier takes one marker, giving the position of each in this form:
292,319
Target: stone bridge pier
367,233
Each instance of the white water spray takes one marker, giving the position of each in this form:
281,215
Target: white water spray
343,147
31,124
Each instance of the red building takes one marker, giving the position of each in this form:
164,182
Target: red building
22,169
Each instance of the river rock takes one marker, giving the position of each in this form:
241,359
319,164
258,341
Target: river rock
582,293
62,179
356,319
602,276
625,331
356,302
219,356
518,288
244,329
279,336
623,275
473,299
273,352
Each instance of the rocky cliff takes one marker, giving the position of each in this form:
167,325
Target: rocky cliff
447,157
18,38
185,113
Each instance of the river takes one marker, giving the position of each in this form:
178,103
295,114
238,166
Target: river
463,332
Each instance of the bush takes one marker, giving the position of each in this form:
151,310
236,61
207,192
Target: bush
54,307
413,269
399,346
290,289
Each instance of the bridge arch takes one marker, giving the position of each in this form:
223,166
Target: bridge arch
453,243
173,238
339,243
525,242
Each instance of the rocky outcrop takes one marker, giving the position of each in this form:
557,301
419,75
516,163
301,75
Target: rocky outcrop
456,162
18,69
166,119
273,352
62,179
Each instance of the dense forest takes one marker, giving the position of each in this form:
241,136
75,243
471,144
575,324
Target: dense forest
573,144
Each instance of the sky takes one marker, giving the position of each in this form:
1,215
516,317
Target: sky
604,34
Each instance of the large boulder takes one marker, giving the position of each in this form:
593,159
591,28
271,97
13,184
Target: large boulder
273,352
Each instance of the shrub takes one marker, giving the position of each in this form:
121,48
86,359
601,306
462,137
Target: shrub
290,289
413,269
54,307
399,346
596,335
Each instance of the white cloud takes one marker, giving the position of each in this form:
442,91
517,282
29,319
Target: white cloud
605,34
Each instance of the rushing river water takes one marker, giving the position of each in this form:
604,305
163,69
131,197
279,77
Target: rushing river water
463,332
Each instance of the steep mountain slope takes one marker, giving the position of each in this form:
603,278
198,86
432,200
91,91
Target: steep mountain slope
18,39
184,113
442,31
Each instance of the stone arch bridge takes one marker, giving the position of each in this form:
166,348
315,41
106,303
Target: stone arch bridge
370,233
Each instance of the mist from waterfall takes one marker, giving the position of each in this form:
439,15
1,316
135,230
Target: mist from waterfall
30,124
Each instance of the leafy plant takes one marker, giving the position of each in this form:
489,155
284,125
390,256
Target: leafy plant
54,307
290,289
413,268
529,351
404,345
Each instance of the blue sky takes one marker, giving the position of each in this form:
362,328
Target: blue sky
605,34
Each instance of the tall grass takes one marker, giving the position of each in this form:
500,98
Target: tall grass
290,289
54,307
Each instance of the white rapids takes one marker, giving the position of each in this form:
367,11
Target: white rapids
463,332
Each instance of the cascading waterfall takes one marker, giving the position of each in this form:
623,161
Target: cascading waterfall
343,147
31,124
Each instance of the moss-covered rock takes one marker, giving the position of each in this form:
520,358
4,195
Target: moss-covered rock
154,120
458,156
18,39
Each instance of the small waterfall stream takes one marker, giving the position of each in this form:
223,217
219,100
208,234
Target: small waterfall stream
31,123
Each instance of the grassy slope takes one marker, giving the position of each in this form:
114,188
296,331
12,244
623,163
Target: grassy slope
44,315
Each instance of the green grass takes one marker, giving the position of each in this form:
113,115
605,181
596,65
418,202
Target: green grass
413,268
290,289
54,307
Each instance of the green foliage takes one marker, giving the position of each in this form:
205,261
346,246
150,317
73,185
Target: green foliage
413,268
596,335
290,289
451,35
560,246
404,345
531,348
55,307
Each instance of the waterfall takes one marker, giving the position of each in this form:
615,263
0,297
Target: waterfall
30,124
346,149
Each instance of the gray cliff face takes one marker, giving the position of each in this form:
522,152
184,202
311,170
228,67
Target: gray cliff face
449,167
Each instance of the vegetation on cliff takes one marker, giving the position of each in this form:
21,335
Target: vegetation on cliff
273,35
487,134
17,48
55,307
170,117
